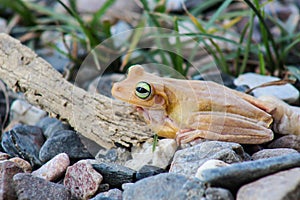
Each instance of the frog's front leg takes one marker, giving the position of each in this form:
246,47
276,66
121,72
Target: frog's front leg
225,127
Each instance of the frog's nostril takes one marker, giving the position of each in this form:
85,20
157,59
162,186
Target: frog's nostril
116,88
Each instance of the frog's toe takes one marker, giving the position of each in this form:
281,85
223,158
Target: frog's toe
186,135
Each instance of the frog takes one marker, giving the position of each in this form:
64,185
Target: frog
187,110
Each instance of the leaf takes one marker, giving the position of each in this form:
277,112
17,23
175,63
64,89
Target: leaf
137,35
155,141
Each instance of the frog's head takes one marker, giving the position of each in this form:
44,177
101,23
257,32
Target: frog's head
141,89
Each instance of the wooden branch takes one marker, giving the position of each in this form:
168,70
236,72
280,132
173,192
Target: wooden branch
95,116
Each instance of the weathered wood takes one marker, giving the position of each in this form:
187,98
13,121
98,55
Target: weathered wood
95,116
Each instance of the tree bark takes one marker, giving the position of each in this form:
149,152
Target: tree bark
106,121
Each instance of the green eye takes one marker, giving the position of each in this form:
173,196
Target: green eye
143,90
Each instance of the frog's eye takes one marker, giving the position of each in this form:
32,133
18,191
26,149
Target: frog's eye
143,90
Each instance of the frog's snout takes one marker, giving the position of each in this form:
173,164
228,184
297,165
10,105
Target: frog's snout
116,88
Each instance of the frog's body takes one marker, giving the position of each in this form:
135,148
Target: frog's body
188,109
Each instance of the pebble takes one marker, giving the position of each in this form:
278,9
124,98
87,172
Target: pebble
4,104
113,194
7,170
283,185
115,175
103,84
64,141
188,160
210,164
3,25
284,11
220,77
287,141
24,141
57,60
54,168
4,156
269,153
34,188
285,92
82,179
245,172
164,187
144,155
26,113
23,164
175,5
50,125
103,187
121,32
148,170
212,193
115,155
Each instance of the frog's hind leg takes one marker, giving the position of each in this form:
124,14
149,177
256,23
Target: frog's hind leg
183,137
224,127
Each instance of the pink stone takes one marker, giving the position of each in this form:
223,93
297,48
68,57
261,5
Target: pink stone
54,168
4,156
82,180
22,164
7,170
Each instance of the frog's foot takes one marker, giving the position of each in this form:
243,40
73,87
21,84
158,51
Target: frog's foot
187,135
286,117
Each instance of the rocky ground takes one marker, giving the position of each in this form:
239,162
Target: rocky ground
43,158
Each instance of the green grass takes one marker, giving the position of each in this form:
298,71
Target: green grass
272,54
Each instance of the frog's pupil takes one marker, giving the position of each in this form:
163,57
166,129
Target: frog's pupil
141,90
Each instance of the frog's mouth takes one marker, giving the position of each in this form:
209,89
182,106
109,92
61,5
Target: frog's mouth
143,112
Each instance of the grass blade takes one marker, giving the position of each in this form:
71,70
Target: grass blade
247,49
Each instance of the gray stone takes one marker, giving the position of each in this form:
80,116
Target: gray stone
210,164
115,175
212,193
176,5
51,125
115,12
113,194
7,170
284,185
3,25
24,141
287,141
34,188
103,84
120,33
64,141
147,171
238,174
57,60
187,161
285,92
115,155
82,180
164,187
103,187
269,153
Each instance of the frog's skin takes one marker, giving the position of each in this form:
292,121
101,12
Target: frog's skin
189,109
